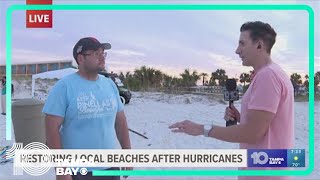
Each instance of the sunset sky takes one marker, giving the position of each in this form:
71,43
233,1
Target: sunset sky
167,40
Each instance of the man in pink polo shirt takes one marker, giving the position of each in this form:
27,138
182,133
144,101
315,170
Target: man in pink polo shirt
266,120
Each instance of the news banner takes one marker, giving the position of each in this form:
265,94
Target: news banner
163,158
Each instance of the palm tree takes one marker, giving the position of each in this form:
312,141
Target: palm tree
212,81
142,75
221,76
204,75
128,74
296,78
194,78
186,77
158,78
176,81
137,73
121,77
167,81
150,79
125,78
132,82
244,77
189,79
317,79
296,82
306,82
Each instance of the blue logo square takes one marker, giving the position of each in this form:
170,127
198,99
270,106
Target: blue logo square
267,158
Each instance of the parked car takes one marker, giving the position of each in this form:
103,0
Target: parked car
124,93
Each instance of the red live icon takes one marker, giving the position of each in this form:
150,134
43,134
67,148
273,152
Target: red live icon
39,18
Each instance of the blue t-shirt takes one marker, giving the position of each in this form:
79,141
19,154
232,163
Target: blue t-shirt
89,110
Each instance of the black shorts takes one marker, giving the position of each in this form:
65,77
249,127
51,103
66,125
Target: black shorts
90,177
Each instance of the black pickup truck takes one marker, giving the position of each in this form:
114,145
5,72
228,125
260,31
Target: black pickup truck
124,93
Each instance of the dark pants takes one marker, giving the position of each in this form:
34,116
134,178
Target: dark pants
90,177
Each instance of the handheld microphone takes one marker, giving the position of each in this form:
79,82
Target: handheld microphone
231,93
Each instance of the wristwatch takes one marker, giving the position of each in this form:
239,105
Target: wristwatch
207,128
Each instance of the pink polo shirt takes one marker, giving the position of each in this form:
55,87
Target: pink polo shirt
271,90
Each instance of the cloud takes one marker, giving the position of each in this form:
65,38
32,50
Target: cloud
2,55
232,66
281,44
23,56
282,15
197,55
128,53
125,60
36,34
202,40
317,63
222,59
301,65
199,60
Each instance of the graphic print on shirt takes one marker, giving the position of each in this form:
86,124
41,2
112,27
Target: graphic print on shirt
89,107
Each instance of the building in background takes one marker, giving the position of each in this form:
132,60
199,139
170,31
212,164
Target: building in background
29,69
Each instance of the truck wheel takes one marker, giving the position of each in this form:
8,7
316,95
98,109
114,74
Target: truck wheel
123,100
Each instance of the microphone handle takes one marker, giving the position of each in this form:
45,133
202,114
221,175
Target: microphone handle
230,123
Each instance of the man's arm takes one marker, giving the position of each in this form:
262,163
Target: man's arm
53,124
122,131
250,132
257,125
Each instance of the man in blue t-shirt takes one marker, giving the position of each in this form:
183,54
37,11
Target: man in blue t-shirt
84,110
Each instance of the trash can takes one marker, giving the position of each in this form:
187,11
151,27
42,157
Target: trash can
28,121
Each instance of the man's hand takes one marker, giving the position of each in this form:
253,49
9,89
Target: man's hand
64,177
126,169
232,114
188,127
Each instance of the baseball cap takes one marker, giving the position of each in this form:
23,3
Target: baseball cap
88,43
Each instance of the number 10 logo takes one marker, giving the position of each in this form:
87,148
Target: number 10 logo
256,156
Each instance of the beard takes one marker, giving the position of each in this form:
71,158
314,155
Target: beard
102,68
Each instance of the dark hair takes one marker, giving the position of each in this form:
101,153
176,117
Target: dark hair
260,31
